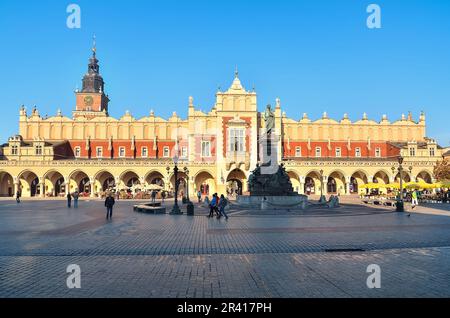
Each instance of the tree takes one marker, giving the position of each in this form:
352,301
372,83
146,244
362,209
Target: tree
442,170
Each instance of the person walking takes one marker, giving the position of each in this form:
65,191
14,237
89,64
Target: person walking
69,200
199,196
163,196
75,195
109,203
18,195
212,205
414,199
223,202
153,196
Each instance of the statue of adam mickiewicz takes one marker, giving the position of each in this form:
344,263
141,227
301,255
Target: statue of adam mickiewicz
269,118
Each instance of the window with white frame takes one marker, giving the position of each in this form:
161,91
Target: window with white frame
144,152
206,148
338,152
77,152
298,151
432,152
412,151
38,150
378,152
183,152
166,152
357,152
14,150
318,152
99,152
236,139
121,152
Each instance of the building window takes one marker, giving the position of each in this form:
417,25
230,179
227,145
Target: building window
99,152
14,150
77,152
357,152
432,152
206,148
38,150
122,152
236,140
144,152
412,152
378,152
298,151
166,152
338,152
318,152
184,152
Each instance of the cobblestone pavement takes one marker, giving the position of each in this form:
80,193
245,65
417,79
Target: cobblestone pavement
317,253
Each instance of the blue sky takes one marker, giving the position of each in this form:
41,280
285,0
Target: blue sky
315,55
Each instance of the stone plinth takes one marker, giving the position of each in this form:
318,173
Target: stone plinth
273,202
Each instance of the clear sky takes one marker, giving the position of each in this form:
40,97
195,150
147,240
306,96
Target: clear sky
315,55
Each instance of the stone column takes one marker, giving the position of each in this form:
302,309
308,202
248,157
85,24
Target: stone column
92,183
302,185
324,184
42,187
347,185
16,186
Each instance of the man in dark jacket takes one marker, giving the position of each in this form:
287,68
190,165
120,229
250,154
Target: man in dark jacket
109,203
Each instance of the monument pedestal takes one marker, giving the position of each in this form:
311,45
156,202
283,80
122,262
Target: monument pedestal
273,202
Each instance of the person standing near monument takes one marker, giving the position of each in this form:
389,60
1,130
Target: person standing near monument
76,195
69,200
18,194
109,203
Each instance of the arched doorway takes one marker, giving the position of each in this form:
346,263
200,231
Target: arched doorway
205,183
29,184
382,178
104,181
357,180
336,183
182,184
155,177
6,185
54,184
406,177
312,183
235,182
331,185
424,176
79,181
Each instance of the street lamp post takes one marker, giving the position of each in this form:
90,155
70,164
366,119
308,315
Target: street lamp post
400,203
190,205
176,208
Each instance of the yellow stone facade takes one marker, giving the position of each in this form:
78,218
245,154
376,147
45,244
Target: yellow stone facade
219,148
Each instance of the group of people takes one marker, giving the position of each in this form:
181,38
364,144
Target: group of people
217,205
75,197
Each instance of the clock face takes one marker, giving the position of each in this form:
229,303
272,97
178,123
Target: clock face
88,101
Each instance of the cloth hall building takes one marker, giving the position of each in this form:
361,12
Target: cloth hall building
92,152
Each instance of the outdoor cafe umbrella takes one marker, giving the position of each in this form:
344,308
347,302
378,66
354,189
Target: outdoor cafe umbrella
418,185
154,187
372,186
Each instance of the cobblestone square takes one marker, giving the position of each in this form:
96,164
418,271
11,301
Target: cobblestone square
316,253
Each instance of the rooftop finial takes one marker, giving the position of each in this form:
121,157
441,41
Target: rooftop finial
236,72
94,45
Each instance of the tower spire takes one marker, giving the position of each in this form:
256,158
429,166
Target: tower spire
94,45
236,72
